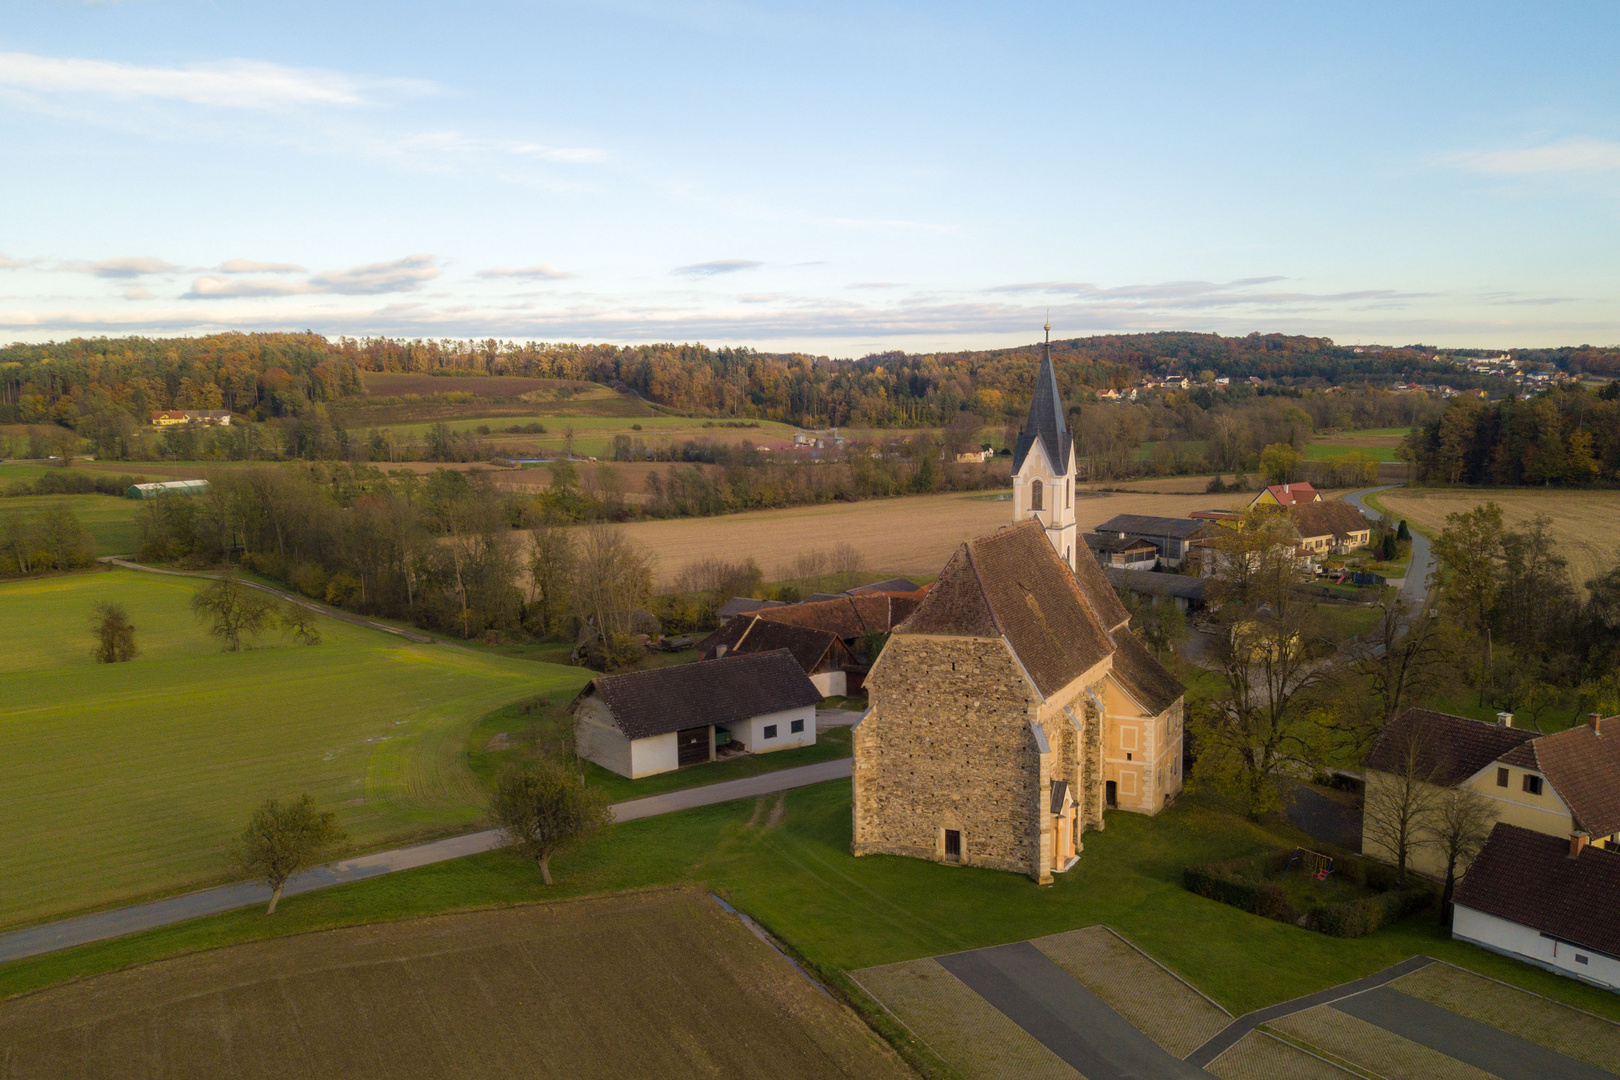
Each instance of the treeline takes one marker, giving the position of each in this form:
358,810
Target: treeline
50,539
1569,435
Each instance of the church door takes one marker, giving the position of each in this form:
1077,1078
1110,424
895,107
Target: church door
1111,793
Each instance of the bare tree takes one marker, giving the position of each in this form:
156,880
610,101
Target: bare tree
299,623
542,809
1400,799
1458,824
1404,656
284,838
115,636
612,579
232,610
1252,558
551,571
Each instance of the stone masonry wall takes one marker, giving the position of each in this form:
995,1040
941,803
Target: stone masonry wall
947,745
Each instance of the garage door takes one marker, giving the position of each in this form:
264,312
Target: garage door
692,746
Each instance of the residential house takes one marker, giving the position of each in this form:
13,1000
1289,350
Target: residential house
1329,527
1172,537
1122,551
976,457
168,418
823,656
1009,712
1286,495
646,722
1547,900
1557,784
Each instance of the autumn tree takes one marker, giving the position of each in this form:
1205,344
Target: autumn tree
1401,794
551,572
299,623
115,635
283,839
1280,463
1457,825
543,809
1470,550
612,581
233,609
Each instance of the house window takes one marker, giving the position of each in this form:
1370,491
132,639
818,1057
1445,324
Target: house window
953,845
1579,959
1035,496
796,727
1532,784
770,731
1501,777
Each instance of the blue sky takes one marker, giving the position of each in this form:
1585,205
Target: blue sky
839,178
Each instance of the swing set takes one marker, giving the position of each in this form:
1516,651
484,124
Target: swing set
1314,863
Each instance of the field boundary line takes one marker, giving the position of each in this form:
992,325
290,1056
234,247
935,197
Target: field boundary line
1137,948
1342,1064
770,939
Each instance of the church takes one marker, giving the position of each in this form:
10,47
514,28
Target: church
1015,706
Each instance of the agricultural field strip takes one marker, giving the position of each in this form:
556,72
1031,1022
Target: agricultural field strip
661,984
1260,1055
1360,1043
103,925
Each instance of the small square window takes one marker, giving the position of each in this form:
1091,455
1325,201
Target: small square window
1532,784
1579,959
770,731
1501,777
796,727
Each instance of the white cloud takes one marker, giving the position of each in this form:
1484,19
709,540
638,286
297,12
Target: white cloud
254,266
7,263
398,276
137,292
1569,156
128,266
211,286
719,266
539,271
241,84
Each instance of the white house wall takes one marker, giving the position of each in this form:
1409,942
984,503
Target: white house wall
597,738
654,754
831,683
1524,943
751,732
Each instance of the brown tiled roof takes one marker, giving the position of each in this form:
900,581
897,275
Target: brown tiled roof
669,699
1291,494
812,648
1012,584
1584,768
1450,749
894,585
848,617
1100,597
1331,518
1527,877
1143,677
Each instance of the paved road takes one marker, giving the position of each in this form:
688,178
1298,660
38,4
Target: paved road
1415,590
1033,992
1469,1041
1228,1036
1323,818
117,922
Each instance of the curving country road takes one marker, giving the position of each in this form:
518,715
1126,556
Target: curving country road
1415,590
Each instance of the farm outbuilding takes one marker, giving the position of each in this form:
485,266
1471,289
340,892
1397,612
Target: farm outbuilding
646,722
167,487
823,655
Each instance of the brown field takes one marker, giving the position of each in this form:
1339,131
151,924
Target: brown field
913,535
1582,521
396,383
649,986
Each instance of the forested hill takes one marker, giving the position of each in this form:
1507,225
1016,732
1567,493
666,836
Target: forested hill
267,375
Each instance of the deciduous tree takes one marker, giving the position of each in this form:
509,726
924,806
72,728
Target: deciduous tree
115,636
543,809
1458,824
232,610
284,838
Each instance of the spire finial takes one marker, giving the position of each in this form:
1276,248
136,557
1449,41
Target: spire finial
1049,326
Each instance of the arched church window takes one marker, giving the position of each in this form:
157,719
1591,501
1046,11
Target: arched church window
1035,490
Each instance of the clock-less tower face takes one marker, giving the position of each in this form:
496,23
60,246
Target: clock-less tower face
1043,465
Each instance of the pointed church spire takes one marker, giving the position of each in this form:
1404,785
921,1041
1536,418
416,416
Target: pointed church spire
1046,418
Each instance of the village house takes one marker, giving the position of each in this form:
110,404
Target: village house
646,722
207,417
823,655
1559,784
1544,900
1015,706
1329,527
1286,495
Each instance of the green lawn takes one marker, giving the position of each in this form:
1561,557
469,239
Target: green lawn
593,435
124,780
21,470
110,520
838,912
1321,451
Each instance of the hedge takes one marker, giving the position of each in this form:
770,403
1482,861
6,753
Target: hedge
1242,884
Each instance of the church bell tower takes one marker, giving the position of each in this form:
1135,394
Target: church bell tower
1044,464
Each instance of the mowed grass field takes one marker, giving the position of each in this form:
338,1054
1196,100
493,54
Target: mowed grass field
1583,522
657,985
911,535
593,435
1381,444
108,519
123,780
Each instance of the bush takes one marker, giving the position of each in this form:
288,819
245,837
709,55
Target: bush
1354,918
1241,883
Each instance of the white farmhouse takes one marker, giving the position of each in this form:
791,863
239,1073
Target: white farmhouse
646,722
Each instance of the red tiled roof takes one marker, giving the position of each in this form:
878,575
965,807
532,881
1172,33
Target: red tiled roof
1528,877
1583,766
1289,494
1449,748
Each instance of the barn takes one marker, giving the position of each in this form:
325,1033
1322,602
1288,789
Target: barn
166,487
646,722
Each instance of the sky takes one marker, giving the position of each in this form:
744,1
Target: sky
838,178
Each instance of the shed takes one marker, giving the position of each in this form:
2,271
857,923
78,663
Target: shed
167,487
646,722
1122,551
823,655
1187,592
1171,536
